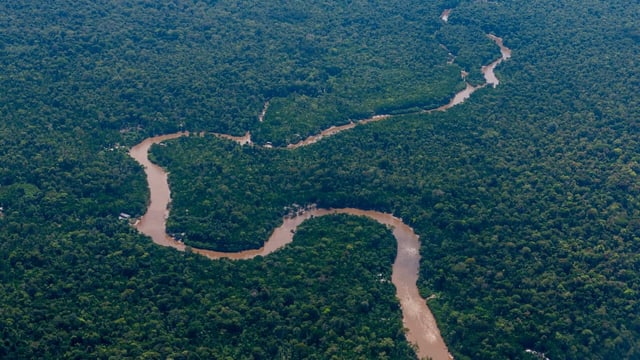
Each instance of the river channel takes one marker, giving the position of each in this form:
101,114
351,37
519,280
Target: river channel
417,318
489,76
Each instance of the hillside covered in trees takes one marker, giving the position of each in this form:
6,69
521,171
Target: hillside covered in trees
526,196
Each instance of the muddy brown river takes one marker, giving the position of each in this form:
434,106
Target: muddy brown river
417,318
422,329
489,76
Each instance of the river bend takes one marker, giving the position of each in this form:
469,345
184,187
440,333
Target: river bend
489,76
417,318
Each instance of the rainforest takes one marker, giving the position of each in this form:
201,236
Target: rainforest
503,134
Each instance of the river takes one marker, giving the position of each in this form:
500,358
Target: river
417,318
490,79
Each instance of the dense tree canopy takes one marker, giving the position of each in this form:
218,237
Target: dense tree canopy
526,197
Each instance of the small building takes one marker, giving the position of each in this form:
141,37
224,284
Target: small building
124,216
